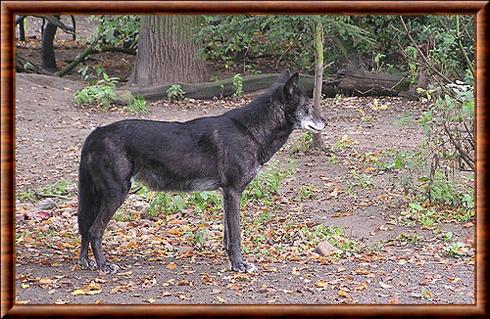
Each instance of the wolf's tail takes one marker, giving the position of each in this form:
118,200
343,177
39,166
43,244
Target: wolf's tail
88,198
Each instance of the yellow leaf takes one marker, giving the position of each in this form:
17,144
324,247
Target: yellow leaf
233,286
321,284
94,286
172,266
93,292
344,294
362,286
220,299
78,292
175,231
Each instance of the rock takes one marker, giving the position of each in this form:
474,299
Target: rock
37,215
122,97
142,207
46,204
326,249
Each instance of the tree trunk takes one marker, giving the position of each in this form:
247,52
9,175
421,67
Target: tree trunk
317,90
47,48
22,29
168,52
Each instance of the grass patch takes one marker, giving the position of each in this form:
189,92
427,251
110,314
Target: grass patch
59,189
302,143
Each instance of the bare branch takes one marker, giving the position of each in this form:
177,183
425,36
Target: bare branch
464,156
422,55
461,48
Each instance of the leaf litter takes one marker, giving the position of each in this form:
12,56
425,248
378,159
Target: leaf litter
178,256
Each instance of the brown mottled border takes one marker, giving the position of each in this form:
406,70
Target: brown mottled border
10,8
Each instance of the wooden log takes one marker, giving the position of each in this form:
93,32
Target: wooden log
358,83
222,88
362,83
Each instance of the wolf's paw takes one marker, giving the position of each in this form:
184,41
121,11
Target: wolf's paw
244,266
87,264
108,268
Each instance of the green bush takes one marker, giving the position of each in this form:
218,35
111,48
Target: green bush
100,94
175,92
137,105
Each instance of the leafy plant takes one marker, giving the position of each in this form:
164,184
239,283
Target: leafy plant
175,92
357,180
87,71
118,30
302,144
137,105
456,249
57,189
404,239
266,185
305,192
233,40
238,85
344,143
100,94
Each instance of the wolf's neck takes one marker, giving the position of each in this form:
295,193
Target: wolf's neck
273,142
269,130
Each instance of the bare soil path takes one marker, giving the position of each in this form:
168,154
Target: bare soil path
177,258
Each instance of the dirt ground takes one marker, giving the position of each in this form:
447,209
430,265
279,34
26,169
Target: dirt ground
161,260
50,131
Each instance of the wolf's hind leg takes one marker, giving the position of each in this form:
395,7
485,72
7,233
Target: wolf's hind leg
85,262
111,202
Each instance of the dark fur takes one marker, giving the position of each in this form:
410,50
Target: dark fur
208,153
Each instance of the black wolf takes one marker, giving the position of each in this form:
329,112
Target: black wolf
222,152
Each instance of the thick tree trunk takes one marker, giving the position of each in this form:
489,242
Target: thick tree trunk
168,52
47,48
317,91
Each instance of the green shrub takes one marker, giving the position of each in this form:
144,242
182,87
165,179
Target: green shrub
238,85
100,94
175,92
137,105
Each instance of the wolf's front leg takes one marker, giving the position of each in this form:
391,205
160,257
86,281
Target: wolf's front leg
231,202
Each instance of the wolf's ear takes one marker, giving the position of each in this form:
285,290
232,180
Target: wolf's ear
283,77
291,84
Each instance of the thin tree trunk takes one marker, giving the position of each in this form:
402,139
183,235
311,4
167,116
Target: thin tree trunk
22,30
168,52
317,91
47,48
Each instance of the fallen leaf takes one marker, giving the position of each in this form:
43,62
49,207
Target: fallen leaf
171,266
384,285
321,284
220,299
45,281
344,294
362,286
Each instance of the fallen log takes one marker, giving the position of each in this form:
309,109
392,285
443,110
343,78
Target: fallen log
357,83
222,88
362,83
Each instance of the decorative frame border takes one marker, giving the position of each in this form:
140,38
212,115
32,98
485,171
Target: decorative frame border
7,168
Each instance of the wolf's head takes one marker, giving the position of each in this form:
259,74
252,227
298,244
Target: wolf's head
299,108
